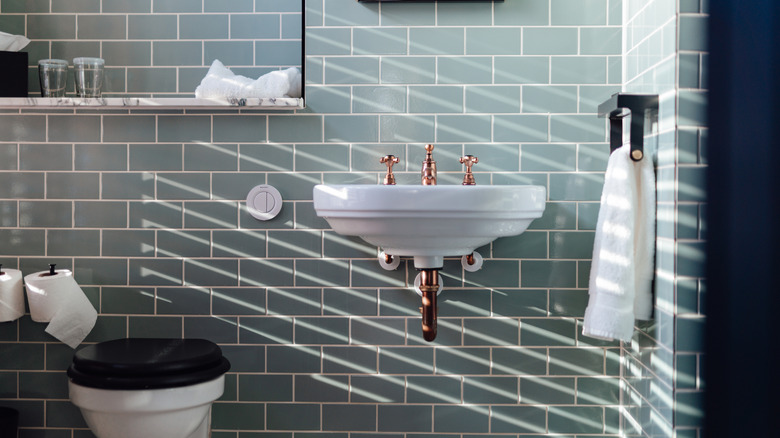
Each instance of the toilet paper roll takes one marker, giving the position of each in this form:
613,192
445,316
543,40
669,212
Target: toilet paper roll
11,295
58,300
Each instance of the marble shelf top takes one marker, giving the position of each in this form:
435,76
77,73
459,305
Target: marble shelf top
278,103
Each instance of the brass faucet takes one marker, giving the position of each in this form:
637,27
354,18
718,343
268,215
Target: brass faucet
429,167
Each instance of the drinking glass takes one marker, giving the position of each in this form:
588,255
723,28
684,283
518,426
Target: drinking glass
52,74
89,76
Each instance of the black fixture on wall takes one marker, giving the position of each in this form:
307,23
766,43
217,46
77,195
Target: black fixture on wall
430,1
303,50
640,106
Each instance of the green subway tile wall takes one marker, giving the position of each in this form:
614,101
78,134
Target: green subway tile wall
146,207
663,366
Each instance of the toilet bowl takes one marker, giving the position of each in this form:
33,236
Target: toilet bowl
143,388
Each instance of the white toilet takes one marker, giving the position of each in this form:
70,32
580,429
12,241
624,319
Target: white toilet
142,388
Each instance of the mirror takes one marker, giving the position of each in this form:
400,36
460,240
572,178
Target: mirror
162,48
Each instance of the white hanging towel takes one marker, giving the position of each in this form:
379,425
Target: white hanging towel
622,270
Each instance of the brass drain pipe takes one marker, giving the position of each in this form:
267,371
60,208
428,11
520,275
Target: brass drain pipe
429,286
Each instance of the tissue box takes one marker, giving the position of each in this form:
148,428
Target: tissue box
13,74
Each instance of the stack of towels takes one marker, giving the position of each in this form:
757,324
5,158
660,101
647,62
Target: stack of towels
621,274
222,83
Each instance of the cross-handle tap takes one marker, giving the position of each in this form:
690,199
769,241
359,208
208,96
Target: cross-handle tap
468,178
429,167
389,160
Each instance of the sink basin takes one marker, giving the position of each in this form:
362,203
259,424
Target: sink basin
429,222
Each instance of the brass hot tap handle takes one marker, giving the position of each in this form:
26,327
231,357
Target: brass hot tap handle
389,160
468,178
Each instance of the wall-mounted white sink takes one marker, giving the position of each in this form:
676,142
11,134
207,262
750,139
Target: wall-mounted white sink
429,222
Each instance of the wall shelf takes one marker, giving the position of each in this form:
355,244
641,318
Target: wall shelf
181,97
278,103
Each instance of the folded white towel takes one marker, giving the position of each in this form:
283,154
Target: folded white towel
622,270
220,82
12,43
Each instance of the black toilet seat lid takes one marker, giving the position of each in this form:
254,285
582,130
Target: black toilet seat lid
147,363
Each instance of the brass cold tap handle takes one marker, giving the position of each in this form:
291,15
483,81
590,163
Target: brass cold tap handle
468,178
389,160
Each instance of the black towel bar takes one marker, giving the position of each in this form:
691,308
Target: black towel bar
640,106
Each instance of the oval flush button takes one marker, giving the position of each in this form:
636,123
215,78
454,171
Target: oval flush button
264,202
